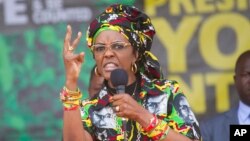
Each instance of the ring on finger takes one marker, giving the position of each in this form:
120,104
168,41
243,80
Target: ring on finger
117,108
70,48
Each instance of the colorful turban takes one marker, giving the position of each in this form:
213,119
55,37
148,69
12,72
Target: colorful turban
136,26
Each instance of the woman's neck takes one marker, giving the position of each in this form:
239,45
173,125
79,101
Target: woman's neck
131,79
130,88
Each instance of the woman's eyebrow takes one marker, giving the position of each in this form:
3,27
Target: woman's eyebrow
118,41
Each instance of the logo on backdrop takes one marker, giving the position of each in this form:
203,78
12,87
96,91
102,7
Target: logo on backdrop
239,132
16,12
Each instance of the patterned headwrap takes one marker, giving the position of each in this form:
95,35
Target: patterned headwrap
135,26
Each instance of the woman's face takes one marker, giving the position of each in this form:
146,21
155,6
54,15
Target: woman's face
118,53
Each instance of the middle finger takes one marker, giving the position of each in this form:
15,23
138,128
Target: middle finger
77,40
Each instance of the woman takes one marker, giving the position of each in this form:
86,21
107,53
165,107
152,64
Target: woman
121,37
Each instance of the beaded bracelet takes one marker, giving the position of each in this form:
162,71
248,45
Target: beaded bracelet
153,122
71,99
69,107
72,92
64,96
160,131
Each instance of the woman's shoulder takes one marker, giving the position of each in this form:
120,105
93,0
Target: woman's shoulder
159,81
172,85
164,85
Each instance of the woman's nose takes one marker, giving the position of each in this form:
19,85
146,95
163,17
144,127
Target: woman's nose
108,52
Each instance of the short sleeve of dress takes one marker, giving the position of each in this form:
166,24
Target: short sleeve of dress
85,116
180,117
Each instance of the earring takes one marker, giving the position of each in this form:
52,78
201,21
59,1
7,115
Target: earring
134,68
96,72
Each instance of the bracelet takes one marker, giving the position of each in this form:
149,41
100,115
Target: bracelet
68,107
153,122
160,131
71,99
64,96
72,92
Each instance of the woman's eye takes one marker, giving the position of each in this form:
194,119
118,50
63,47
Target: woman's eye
117,46
99,48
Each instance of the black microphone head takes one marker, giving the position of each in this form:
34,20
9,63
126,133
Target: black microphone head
119,77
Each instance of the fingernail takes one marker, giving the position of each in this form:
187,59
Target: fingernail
79,33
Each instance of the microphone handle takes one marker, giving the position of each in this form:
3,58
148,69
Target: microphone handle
124,125
121,89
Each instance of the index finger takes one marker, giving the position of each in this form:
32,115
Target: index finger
67,38
118,96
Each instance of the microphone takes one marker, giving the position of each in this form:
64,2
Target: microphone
119,79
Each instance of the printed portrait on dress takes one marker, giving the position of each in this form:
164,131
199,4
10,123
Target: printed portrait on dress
157,104
105,118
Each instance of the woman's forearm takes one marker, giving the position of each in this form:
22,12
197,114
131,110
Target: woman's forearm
144,120
72,126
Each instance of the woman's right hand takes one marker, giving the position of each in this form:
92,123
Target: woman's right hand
72,61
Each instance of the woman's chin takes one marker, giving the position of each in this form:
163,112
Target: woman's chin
106,75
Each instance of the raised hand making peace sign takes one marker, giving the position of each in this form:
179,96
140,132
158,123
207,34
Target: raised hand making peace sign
72,60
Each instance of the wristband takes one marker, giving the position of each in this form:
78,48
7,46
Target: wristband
153,122
160,131
71,99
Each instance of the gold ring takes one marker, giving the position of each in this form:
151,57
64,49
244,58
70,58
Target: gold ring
70,48
117,108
